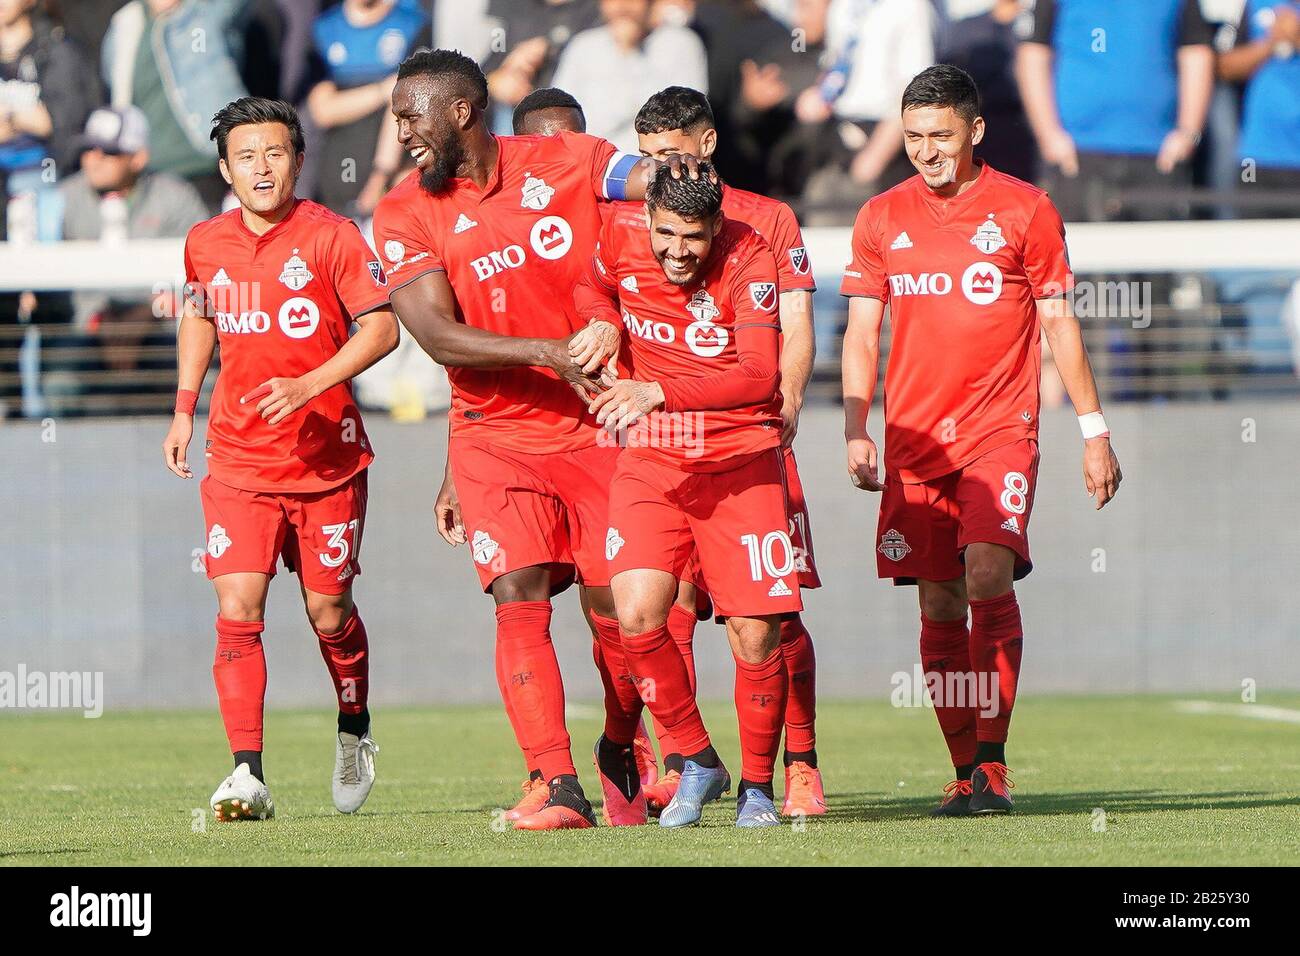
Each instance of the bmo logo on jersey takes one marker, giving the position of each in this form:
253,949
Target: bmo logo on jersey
981,283
551,238
244,323
660,332
927,283
299,317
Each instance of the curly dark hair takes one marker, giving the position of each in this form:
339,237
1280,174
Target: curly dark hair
693,199
675,107
452,65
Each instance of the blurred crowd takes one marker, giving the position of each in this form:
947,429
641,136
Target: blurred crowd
1155,109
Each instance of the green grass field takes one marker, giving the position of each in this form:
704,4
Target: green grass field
1174,787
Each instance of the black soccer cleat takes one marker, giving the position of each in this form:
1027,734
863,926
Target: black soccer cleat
956,801
991,788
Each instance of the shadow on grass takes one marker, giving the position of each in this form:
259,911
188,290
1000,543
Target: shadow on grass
879,806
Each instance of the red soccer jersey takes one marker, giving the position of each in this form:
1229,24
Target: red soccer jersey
513,253
960,277
686,333
283,304
776,223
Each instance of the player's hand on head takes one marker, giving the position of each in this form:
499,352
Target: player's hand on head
176,444
1101,473
278,398
595,346
446,511
684,164
863,464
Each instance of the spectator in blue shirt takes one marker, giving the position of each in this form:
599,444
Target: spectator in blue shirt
1266,61
1117,94
357,47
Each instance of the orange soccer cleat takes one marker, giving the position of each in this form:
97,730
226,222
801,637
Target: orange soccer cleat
660,793
646,763
803,790
535,794
565,809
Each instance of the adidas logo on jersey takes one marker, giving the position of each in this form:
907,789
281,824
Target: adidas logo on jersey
902,242
1012,525
780,589
463,223
220,278
629,283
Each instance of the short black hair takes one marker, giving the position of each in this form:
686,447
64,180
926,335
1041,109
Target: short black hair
547,98
251,110
693,199
463,71
944,85
676,107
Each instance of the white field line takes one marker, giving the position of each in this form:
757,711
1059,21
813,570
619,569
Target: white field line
1283,715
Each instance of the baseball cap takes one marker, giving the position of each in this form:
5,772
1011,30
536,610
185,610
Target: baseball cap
122,130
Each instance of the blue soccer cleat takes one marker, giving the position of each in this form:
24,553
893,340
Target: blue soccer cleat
754,808
698,786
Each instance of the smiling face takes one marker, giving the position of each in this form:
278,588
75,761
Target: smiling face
261,166
940,144
682,246
429,126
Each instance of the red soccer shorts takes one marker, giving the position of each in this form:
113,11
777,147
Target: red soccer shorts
800,530
925,527
317,534
523,510
659,516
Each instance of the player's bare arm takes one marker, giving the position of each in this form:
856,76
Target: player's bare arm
278,398
427,309
196,340
798,349
1101,473
446,509
861,361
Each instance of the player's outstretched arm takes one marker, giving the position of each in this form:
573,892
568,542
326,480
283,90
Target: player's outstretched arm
860,360
196,339
798,350
643,173
1101,474
278,398
427,309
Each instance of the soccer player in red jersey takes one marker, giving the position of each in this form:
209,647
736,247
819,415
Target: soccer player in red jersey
971,262
543,112
700,416
485,241
279,282
678,120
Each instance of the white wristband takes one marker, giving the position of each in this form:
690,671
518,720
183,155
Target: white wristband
1093,426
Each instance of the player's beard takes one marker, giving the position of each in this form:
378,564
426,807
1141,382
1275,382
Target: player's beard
447,158
947,175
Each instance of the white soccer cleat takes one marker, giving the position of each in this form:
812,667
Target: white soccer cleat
242,796
354,771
